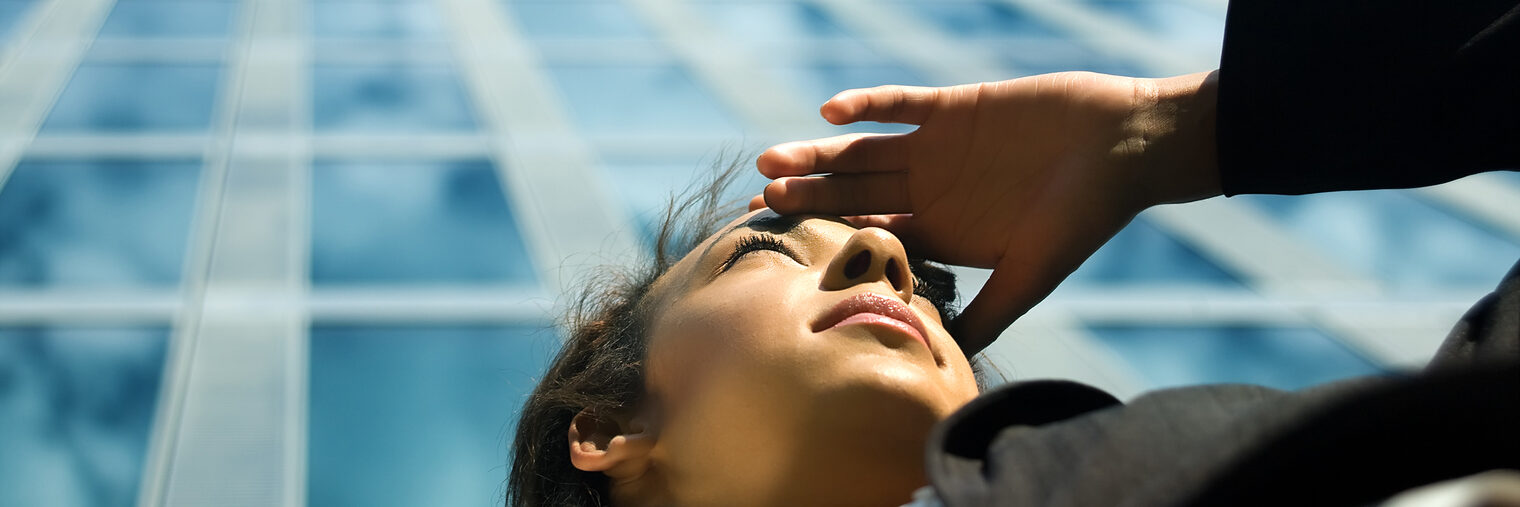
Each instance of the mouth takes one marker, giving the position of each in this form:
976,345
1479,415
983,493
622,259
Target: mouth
870,308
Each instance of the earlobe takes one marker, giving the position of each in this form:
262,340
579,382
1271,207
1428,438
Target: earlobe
615,445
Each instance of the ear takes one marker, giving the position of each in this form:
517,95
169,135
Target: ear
616,444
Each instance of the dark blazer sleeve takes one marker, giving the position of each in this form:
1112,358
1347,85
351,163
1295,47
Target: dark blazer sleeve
1317,96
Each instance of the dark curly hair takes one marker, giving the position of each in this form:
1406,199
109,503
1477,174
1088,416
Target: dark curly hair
601,365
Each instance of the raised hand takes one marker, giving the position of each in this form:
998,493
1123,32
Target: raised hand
1027,177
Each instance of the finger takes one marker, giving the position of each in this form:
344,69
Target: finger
1010,292
756,202
840,194
849,153
886,104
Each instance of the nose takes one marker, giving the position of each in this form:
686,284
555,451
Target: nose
871,255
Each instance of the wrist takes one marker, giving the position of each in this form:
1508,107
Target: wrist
1180,162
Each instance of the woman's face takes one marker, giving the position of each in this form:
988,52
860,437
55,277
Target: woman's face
790,363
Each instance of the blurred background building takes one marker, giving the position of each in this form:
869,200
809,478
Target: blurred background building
286,252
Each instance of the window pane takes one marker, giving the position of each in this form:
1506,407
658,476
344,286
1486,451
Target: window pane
202,18
636,100
786,31
819,83
1169,20
1142,253
645,190
76,407
1395,237
571,19
979,19
391,98
773,20
1284,358
419,223
96,223
11,11
1029,57
417,416
127,97
380,20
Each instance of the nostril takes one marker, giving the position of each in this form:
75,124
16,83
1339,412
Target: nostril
894,274
858,265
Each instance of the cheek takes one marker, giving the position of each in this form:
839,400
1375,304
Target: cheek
751,330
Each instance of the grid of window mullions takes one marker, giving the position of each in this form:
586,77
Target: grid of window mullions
1065,315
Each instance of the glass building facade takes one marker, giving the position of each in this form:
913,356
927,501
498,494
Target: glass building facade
288,252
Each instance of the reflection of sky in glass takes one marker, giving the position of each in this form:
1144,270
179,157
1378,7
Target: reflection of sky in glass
199,18
376,20
1167,19
126,97
11,12
819,83
772,20
979,19
571,19
646,189
392,98
1022,42
1044,56
95,223
634,100
75,410
417,416
1394,237
417,223
1285,358
1141,253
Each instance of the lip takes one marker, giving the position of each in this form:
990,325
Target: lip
873,308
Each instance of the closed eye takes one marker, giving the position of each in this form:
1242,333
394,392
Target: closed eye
755,243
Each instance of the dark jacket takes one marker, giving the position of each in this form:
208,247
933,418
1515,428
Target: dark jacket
1060,443
1314,96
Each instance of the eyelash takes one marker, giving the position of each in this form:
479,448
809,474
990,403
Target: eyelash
755,243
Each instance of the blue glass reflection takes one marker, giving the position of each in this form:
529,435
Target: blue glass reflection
11,11
417,416
389,98
1169,20
819,83
572,19
377,20
1395,237
76,406
201,18
646,190
1513,176
96,223
790,32
127,97
1284,358
1043,56
425,222
981,20
772,21
602,100
1142,253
